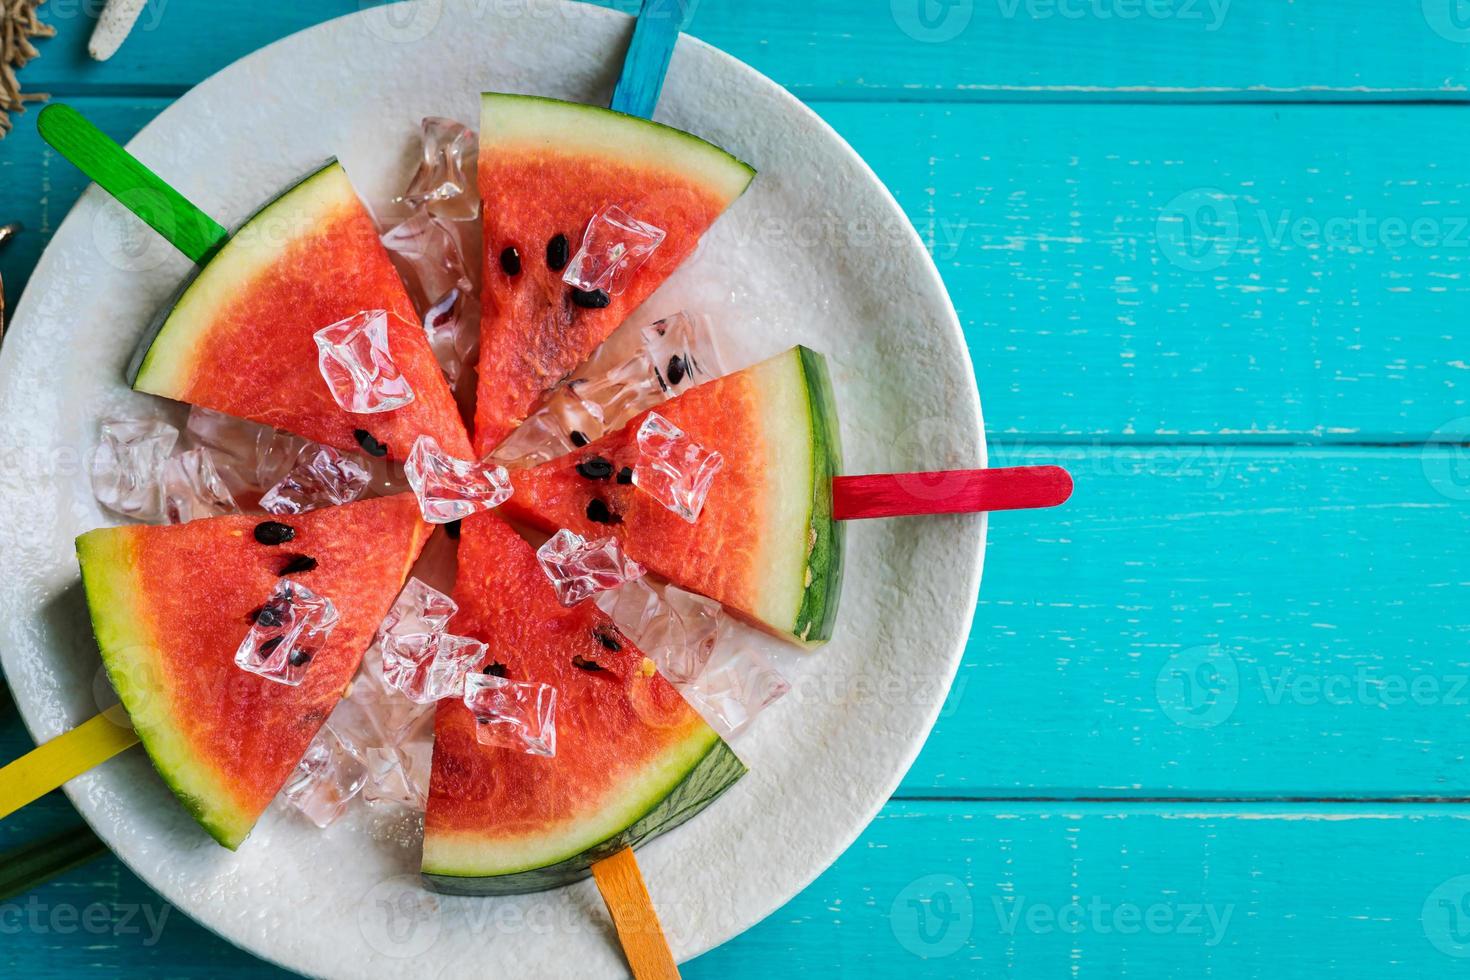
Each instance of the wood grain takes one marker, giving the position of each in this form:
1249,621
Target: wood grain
636,920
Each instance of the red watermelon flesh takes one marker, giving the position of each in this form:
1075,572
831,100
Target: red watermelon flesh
170,606
545,168
500,821
240,338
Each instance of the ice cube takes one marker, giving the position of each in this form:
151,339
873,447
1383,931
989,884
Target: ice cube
326,779
452,325
633,606
510,714
420,608
684,352
250,457
537,440
399,772
579,568
127,466
672,468
614,247
445,181
322,477
451,489
286,632
355,361
193,488
681,638
735,685
426,667
431,249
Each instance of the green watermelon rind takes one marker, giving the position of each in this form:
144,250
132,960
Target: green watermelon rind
158,338
716,771
573,126
125,642
817,617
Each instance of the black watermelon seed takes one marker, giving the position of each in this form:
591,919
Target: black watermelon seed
597,299
558,251
677,369
625,475
579,439
598,512
452,529
595,468
274,532
607,636
299,658
582,663
494,670
370,445
265,649
510,260
299,563
267,616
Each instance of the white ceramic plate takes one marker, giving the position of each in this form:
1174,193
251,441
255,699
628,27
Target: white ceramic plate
817,252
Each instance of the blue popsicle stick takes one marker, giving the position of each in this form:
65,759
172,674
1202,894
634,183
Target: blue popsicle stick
647,61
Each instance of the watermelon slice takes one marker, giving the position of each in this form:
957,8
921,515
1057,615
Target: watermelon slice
170,606
765,545
632,759
545,168
239,338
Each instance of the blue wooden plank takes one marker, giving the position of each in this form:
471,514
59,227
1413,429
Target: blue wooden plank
940,889
647,61
911,49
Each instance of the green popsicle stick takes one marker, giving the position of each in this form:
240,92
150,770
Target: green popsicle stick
135,187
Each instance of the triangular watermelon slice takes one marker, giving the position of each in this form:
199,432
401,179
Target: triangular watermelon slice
170,606
765,544
632,759
545,168
239,338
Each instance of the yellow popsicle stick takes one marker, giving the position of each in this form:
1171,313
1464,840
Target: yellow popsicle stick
633,915
46,767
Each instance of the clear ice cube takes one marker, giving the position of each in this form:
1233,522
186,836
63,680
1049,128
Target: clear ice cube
579,569
322,477
537,440
326,779
684,352
510,714
452,325
250,457
680,639
399,772
419,608
614,247
445,180
632,606
127,466
432,250
426,667
735,686
355,361
287,631
451,489
193,488
672,468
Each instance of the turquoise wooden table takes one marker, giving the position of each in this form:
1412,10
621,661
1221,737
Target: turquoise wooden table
1212,254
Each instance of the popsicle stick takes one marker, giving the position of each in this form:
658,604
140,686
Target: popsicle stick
46,767
857,498
647,61
633,915
135,187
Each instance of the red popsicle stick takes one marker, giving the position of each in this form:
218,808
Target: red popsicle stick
855,498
